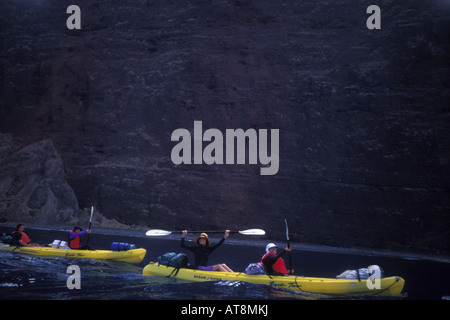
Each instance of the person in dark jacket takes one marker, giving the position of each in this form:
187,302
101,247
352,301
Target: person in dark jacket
203,249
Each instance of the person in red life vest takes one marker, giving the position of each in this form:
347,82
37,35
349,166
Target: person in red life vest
20,238
273,263
74,238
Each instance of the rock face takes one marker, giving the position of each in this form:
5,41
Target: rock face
32,184
363,114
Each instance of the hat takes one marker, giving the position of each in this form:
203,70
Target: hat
77,227
203,235
269,246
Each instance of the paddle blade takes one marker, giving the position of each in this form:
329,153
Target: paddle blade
157,233
287,230
253,232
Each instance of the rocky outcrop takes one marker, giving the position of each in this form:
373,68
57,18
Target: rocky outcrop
363,114
33,186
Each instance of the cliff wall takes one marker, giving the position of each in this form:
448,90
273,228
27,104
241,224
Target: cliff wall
363,115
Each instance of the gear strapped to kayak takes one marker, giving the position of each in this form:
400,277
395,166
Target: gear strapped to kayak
172,259
122,246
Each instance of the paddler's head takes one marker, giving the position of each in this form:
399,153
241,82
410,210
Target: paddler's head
202,240
271,248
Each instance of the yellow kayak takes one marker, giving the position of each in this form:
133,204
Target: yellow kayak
132,256
389,286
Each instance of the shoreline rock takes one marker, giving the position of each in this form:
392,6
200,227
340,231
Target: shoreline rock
33,185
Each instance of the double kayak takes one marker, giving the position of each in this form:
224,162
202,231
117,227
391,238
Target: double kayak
132,256
388,286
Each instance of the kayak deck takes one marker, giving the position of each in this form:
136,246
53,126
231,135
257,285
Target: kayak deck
389,286
132,256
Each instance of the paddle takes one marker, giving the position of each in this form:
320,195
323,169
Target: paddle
288,245
90,223
249,232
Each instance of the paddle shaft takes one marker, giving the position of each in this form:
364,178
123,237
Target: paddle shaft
90,223
289,246
204,231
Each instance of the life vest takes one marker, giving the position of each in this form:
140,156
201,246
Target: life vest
75,242
24,238
278,266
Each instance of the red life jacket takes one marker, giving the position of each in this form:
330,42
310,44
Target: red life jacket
278,266
24,238
75,242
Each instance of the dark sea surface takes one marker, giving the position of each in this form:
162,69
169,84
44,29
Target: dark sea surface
27,277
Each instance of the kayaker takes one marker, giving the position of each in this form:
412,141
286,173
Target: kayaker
20,238
273,263
202,251
74,238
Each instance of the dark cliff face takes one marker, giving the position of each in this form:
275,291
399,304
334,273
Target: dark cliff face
362,114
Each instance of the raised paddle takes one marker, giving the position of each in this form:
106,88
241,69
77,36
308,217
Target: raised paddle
249,232
289,246
90,223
